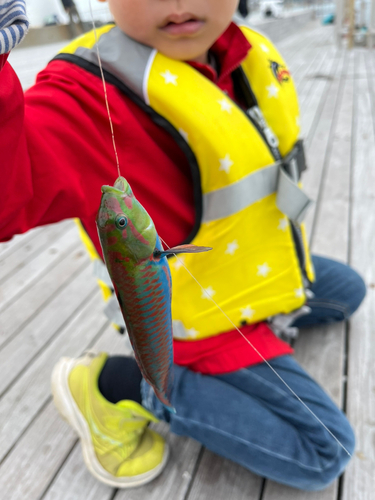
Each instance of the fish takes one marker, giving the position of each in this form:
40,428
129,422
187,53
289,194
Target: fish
138,267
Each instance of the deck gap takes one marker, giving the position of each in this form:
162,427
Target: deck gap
323,100
340,487
329,147
53,477
352,163
52,339
115,491
100,333
194,473
262,488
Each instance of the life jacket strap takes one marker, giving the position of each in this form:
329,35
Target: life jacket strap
291,200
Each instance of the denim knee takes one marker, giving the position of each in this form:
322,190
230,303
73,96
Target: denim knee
359,288
335,465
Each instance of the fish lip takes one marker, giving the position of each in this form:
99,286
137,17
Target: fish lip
179,19
111,189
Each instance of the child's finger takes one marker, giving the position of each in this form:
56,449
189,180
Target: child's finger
14,24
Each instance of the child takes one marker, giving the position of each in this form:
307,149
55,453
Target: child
200,143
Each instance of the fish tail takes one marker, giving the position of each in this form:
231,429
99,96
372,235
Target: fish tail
165,401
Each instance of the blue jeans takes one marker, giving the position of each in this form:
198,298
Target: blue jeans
250,417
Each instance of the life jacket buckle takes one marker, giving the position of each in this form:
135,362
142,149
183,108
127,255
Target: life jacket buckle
281,323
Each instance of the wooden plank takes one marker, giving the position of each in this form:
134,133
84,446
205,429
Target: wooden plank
20,405
331,236
74,482
359,483
313,100
321,351
11,262
307,58
175,480
39,265
318,144
222,480
16,354
27,470
7,247
48,440
23,309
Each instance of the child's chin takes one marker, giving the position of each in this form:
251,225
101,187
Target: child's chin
184,50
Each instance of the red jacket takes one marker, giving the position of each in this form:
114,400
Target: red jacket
57,153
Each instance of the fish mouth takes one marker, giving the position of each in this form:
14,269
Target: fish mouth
112,190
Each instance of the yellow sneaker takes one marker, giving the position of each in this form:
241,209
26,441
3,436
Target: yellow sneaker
118,447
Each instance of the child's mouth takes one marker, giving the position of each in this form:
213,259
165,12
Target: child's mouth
184,24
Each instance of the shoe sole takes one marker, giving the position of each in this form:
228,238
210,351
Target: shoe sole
70,412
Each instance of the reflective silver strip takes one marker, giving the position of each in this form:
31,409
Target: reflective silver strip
122,56
291,200
239,195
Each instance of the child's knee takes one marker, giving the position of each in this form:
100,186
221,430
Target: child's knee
335,463
359,285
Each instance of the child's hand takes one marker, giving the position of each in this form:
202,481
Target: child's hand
13,24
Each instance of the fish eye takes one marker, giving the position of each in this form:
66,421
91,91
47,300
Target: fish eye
121,221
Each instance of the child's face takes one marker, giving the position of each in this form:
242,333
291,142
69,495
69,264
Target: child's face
180,29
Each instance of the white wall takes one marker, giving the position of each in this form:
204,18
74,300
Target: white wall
39,10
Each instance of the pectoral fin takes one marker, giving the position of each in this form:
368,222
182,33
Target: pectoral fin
181,249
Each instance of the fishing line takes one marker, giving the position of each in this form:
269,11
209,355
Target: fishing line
183,264
259,354
105,89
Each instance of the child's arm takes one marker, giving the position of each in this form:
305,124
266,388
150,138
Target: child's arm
53,142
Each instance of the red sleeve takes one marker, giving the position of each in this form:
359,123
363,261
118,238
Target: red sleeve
57,153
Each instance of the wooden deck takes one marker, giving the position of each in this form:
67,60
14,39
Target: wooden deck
50,306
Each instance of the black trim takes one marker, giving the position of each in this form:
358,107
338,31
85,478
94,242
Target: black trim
158,120
242,88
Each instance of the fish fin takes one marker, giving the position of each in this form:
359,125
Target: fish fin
180,249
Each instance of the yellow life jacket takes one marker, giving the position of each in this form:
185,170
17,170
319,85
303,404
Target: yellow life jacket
250,207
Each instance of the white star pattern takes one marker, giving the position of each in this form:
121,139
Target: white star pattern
208,292
192,333
178,264
225,105
264,47
169,78
184,134
298,292
232,247
263,270
283,224
225,163
272,90
247,312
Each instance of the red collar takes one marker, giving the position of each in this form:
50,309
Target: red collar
230,49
